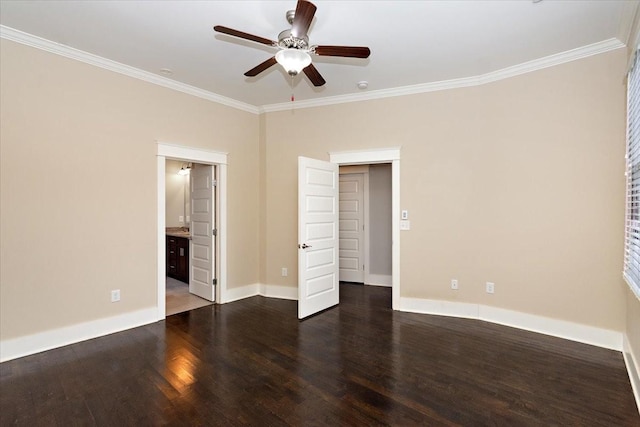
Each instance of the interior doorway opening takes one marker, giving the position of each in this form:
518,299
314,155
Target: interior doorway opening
218,252
377,156
179,225
365,224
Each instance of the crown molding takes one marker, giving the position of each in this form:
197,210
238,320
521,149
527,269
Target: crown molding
107,64
527,67
629,17
505,73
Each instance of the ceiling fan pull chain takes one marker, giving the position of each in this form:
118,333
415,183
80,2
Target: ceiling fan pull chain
293,98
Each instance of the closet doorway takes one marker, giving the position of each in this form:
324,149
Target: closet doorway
365,224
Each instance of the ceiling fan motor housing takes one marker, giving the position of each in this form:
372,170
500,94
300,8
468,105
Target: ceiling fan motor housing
287,41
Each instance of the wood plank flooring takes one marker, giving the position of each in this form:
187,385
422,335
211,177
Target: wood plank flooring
252,362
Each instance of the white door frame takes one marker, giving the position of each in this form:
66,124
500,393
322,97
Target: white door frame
195,155
382,155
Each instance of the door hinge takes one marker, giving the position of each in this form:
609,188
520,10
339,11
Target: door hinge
214,232
214,182
215,281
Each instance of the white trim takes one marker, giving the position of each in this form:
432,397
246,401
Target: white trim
221,255
395,233
527,67
505,73
633,368
42,341
161,273
378,280
279,292
107,64
172,151
382,155
241,292
198,155
265,290
364,157
558,328
439,307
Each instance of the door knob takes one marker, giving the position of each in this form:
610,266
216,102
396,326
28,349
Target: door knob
304,246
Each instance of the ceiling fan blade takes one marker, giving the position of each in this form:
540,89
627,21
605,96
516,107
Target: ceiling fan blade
302,19
314,75
346,51
243,35
260,68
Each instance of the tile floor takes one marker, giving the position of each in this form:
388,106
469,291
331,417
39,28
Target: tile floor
179,299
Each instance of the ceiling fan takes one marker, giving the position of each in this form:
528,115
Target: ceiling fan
295,51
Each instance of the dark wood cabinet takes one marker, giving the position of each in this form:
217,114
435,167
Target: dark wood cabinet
178,258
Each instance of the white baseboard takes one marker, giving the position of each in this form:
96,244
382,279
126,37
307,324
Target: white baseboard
633,368
280,292
269,291
439,307
378,280
558,328
241,292
42,341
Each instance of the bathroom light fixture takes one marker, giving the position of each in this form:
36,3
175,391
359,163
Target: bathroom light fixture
185,171
293,60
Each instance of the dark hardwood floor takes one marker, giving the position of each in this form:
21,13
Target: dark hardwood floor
252,362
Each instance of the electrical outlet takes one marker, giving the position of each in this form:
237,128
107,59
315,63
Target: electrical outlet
285,272
490,287
454,284
181,218
115,295
404,215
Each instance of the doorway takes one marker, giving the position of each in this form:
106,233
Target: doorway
365,224
205,158
377,156
184,248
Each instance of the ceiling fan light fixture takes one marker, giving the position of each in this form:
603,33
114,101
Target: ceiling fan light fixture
293,60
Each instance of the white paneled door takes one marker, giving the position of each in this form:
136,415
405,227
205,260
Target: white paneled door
317,236
202,249
351,228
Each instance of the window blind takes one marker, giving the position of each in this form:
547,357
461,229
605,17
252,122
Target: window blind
632,223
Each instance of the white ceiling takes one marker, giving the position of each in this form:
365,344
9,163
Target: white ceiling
412,42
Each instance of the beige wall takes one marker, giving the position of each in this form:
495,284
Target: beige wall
78,187
519,182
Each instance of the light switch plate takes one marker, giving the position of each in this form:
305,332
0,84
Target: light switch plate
180,218
405,225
